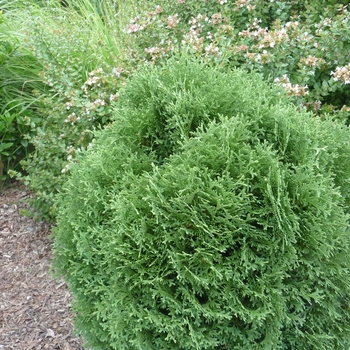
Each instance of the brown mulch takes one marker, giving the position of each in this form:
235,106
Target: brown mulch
34,307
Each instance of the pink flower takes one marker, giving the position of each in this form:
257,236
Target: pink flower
133,28
342,74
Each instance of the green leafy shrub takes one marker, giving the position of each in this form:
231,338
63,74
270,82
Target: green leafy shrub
302,45
82,68
18,104
211,215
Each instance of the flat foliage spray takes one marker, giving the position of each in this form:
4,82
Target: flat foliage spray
212,214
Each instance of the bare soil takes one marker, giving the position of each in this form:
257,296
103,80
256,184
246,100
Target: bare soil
34,307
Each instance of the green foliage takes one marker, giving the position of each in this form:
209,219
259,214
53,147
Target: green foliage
19,90
211,214
88,47
302,45
14,144
82,71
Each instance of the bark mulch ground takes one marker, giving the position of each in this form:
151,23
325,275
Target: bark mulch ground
34,307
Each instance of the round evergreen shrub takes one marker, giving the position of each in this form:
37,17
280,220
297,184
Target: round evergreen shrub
211,215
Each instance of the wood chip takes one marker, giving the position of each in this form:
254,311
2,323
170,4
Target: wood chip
34,309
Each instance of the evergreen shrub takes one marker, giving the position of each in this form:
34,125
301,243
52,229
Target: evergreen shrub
211,214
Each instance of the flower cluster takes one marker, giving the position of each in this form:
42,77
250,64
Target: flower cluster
312,61
172,21
266,37
212,49
134,27
98,103
193,40
314,105
96,77
196,22
216,18
292,89
72,118
153,52
114,97
342,74
244,4
263,58
156,11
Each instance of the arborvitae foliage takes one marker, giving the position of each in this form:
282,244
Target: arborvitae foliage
211,215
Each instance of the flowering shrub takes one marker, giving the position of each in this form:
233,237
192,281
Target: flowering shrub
81,81
302,45
211,215
88,48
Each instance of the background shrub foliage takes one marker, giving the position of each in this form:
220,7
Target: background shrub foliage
211,214
19,70
83,51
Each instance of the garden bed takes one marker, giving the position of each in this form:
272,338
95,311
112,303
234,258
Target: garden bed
34,308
